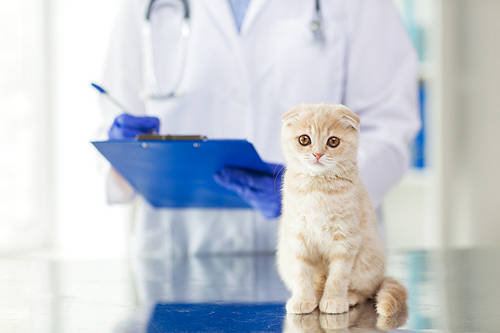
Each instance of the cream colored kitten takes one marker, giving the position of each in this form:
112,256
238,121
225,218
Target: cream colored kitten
329,251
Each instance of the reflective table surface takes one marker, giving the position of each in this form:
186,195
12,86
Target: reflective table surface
450,291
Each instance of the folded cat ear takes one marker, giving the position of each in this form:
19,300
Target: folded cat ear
349,118
351,121
291,115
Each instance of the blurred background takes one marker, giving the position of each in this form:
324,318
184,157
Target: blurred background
52,185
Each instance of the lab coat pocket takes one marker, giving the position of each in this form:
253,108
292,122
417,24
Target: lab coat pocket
307,70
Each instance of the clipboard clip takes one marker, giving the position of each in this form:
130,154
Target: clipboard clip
157,137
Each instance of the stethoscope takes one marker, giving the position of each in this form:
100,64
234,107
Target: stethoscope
154,92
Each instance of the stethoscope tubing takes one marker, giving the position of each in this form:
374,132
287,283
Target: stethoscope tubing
316,29
185,4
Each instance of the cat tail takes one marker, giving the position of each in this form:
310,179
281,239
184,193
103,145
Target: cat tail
391,297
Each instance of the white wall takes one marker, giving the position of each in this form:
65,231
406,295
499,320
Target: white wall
471,111
86,226
25,194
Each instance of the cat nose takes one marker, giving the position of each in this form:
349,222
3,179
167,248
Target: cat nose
318,155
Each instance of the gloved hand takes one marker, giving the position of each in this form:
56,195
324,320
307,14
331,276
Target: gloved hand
261,190
126,126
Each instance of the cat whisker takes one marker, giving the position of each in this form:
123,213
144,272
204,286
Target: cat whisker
277,174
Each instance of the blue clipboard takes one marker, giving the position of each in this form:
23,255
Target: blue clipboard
179,174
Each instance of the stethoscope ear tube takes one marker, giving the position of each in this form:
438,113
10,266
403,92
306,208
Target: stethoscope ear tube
152,89
185,5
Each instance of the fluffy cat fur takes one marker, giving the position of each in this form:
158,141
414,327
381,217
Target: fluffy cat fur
330,253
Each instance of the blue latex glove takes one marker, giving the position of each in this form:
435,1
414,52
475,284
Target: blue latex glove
261,190
126,126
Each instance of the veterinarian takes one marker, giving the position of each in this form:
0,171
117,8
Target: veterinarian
229,69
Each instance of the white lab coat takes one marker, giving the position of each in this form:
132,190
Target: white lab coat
238,85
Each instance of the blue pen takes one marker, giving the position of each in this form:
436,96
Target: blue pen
108,96
113,100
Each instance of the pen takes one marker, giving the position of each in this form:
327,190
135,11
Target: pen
113,100
108,96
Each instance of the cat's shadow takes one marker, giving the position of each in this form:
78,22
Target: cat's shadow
362,315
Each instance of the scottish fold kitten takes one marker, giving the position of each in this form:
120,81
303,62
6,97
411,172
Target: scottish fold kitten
330,253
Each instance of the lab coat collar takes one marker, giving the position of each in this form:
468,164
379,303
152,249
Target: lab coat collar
221,13
255,8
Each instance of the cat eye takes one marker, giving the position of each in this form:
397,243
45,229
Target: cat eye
304,140
333,142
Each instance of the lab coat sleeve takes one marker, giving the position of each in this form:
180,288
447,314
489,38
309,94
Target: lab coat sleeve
381,86
122,77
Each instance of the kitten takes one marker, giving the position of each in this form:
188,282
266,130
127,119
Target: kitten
329,250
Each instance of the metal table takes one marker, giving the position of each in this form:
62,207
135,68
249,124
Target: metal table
450,291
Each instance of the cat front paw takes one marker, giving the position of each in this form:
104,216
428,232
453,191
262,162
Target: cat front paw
334,305
299,305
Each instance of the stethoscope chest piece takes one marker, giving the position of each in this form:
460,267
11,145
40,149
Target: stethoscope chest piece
317,31
316,24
